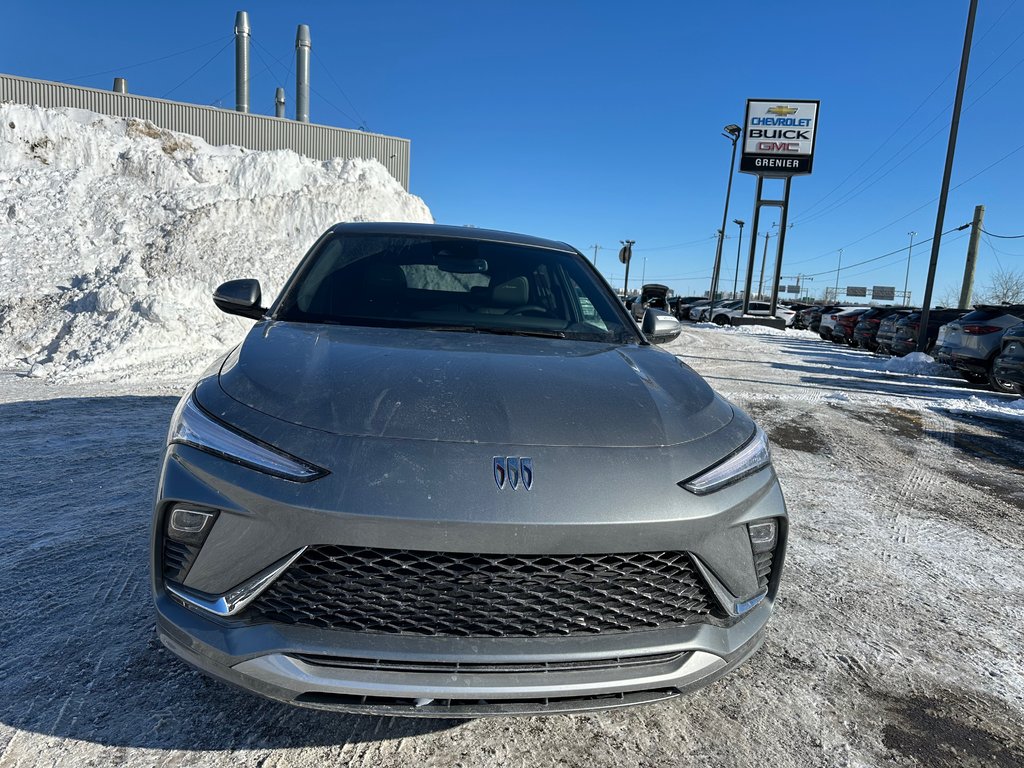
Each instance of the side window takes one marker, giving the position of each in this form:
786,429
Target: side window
585,306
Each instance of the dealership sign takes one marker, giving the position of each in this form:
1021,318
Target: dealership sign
778,137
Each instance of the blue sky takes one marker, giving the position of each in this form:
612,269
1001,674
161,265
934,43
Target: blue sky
593,122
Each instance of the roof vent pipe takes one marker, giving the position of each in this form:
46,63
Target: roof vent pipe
242,34
120,85
279,103
302,47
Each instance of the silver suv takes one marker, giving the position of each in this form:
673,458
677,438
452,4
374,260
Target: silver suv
972,343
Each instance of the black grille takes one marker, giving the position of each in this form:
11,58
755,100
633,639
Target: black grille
763,565
178,558
475,595
672,658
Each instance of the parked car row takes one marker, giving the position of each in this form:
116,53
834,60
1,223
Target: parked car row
984,345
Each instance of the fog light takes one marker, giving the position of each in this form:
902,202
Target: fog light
189,526
764,535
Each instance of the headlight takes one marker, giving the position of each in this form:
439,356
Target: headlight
192,426
751,458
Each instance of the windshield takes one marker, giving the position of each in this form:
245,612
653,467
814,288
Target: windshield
452,284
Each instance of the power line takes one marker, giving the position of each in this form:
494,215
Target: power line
885,255
869,181
144,63
340,89
323,98
201,68
1002,237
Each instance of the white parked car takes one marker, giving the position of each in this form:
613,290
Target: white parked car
700,313
726,312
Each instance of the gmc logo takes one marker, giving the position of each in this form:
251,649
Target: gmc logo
778,146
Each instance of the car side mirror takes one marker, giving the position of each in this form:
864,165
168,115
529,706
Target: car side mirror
660,327
240,297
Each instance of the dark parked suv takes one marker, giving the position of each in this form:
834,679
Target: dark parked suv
866,330
909,328
1008,366
887,330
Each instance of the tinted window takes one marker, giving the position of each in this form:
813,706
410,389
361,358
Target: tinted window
452,284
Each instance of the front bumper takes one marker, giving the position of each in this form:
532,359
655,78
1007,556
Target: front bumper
460,677
1009,365
261,520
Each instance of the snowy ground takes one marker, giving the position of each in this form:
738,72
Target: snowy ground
897,639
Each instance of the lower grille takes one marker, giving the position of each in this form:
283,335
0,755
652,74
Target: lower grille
177,559
463,667
763,566
479,595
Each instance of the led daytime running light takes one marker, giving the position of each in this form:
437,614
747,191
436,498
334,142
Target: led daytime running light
194,427
751,458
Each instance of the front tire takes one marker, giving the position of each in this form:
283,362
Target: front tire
721,320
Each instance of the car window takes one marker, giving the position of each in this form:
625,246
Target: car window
452,284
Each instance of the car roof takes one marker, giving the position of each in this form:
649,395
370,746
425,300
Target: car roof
447,231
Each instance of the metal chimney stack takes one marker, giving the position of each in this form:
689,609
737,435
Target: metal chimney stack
242,34
302,47
279,103
120,85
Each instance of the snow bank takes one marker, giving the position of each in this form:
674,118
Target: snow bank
917,363
758,330
115,232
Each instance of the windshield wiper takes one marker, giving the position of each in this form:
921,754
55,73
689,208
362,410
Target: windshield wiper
498,330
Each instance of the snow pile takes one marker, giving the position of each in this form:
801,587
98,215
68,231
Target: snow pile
115,233
917,363
759,330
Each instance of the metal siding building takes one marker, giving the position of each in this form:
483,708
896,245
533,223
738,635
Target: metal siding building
218,126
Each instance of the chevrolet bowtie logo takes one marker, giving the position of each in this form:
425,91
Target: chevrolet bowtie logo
782,111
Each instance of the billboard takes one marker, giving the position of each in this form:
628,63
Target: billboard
883,293
856,290
778,137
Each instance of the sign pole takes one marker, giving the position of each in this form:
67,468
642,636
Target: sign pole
779,248
753,245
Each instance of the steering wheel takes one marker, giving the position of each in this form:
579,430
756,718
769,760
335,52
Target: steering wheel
523,308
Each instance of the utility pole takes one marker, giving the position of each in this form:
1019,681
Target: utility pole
596,249
906,280
972,257
940,214
839,267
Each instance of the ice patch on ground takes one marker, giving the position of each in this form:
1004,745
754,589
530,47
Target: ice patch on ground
117,231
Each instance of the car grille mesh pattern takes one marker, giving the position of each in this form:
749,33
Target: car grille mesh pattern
475,595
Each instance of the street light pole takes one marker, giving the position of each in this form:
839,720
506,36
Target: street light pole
731,132
906,281
739,245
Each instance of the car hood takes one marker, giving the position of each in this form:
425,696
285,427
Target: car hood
470,387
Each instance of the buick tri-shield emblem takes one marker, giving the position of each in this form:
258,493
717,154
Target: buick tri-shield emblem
513,471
